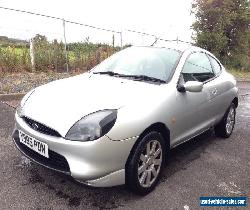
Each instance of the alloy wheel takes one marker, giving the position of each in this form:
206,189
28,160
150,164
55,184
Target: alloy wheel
230,120
150,163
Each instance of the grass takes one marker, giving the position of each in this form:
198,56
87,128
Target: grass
240,75
17,50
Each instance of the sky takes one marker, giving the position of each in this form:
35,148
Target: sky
168,19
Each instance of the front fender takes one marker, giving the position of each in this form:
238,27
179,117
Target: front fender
133,120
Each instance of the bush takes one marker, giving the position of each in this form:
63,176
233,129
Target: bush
14,59
50,56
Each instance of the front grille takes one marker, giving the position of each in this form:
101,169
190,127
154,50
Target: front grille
55,161
40,127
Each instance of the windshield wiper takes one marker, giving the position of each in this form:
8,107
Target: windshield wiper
135,77
146,78
110,73
114,74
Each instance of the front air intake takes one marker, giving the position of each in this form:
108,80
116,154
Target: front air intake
40,127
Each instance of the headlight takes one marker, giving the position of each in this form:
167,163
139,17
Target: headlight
92,126
23,101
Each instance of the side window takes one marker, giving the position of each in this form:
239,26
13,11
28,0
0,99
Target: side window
197,68
216,66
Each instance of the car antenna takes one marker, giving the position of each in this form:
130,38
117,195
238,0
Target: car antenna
156,39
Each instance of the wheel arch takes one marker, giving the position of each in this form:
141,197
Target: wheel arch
158,127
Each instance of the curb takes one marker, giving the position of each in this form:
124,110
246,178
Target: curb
12,96
243,80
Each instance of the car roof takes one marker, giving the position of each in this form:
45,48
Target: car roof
179,46
175,45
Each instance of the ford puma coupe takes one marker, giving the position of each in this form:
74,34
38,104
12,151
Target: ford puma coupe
115,124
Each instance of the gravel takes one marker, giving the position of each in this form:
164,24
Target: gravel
23,82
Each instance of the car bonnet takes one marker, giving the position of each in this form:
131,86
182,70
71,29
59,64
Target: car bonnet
61,103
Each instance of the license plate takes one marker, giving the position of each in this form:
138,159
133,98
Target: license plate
34,144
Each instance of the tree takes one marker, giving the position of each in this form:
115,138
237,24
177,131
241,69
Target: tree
223,27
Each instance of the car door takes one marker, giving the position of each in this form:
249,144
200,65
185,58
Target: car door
193,114
218,87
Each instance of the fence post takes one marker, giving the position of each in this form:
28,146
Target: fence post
65,46
32,54
121,38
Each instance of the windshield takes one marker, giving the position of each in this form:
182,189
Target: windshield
151,62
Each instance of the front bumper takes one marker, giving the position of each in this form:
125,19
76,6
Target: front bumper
99,163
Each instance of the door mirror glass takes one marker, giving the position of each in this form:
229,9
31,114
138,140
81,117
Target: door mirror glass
193,86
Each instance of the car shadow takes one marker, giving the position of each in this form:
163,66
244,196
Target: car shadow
182,155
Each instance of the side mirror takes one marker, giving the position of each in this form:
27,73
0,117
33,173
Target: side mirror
193,86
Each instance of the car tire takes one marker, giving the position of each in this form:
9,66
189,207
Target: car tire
225,127
145,163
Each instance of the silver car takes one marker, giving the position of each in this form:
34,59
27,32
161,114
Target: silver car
115,124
